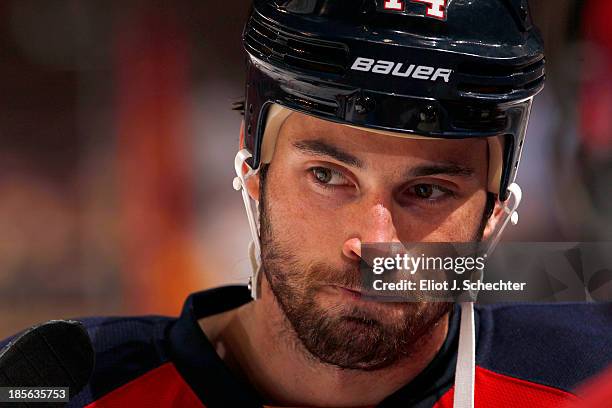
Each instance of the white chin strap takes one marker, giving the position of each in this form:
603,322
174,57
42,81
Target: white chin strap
251,211
466,354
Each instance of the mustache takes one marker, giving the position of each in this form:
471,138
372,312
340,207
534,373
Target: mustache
347,276
277,258
314,274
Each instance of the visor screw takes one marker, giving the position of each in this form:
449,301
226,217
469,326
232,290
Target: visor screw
364,104
249,129
428,114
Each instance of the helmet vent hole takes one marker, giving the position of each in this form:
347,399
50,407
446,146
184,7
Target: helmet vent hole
271,43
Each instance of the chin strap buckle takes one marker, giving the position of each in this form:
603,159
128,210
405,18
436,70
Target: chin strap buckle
516,195
239,184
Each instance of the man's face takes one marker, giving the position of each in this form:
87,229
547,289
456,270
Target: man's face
330,187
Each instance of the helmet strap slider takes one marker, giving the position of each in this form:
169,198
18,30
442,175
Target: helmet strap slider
239,183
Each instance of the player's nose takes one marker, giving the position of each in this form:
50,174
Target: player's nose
376,227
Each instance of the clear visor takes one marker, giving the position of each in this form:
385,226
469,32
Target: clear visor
278,114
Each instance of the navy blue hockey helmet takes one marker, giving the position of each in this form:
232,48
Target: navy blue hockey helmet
434,68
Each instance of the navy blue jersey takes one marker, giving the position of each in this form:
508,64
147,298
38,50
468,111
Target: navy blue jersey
527,355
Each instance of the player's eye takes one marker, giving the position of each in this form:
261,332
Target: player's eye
328,177
429,192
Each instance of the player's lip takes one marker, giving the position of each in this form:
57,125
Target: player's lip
353,292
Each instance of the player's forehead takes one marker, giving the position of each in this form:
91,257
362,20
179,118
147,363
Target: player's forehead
299,131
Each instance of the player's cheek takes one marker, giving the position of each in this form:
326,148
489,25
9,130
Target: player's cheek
462,223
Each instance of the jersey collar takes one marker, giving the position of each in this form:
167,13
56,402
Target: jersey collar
214,384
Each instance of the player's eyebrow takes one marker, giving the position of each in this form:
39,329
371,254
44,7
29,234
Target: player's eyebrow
318,147
444,168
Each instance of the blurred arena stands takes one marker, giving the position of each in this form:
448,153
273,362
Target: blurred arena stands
117,141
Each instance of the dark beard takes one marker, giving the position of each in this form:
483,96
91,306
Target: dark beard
344,336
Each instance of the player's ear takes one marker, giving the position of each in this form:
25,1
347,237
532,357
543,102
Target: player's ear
493,221
252,186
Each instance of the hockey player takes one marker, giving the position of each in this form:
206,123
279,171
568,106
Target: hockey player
365,121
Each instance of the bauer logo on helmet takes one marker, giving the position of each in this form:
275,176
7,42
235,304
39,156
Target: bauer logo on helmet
399,69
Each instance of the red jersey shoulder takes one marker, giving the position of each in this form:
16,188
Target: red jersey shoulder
160,387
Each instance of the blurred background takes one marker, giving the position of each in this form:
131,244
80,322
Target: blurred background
117,141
